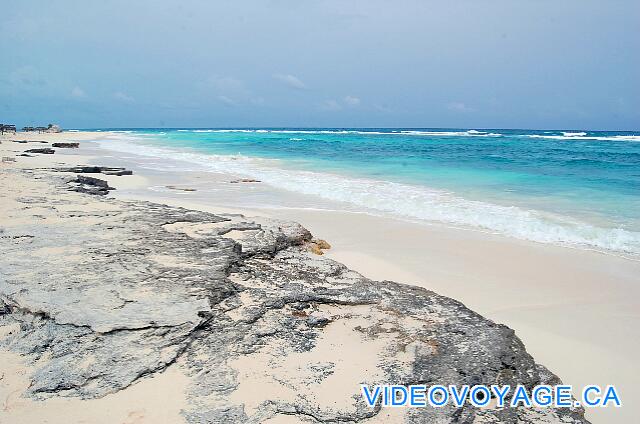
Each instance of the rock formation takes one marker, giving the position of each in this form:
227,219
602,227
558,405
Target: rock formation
66,145
103,293
89,169
44,150
90,185
53,128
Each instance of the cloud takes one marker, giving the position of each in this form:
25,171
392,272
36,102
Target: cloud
28,80
382,108
78,93
27,76
351,101
331,105
123,97
227,101
231,91
459,107
335,105
291,81
227,85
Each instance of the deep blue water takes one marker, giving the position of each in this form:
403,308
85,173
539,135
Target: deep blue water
567,187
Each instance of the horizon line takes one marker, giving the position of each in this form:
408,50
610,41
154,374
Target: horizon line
342,128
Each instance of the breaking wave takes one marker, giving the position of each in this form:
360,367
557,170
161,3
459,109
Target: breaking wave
403,200
562,135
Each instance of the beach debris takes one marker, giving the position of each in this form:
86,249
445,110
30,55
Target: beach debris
84,169
66,145
25,155
8,159
245,180
30,141
317,246
171,187
44,150
91,185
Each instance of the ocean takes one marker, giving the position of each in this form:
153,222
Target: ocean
572,188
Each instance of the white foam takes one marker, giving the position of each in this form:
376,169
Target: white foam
470,133
576,136
405,201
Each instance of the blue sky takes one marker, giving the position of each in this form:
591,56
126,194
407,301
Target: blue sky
370,63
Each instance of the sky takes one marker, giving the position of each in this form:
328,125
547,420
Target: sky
539,64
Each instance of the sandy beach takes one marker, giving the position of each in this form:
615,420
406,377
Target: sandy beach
576,311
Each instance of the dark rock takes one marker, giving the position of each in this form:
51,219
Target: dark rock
170,187
4,308
96,170
315,321
93,181
118,172
45,150
91,185
300,306
245,180
83,169
66,145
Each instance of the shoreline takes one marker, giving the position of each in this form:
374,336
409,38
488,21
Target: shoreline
556,300
454,263
543,212
108,301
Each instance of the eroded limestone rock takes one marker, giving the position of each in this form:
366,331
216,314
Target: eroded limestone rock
107,292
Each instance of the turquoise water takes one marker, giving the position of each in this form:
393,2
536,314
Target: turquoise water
564,187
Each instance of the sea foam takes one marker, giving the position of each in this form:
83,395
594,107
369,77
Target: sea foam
564,135
405,201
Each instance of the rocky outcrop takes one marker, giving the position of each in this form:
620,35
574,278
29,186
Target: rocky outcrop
66,145
90,185
244,180
172,187
44,150
318,246
105,293
53,128
89,169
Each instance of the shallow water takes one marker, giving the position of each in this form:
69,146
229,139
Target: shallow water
563,187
